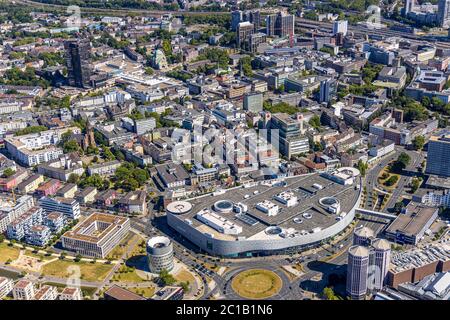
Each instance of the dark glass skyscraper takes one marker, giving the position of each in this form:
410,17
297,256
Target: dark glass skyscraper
280,24
77,62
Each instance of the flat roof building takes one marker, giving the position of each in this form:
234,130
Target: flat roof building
97,235
438,155
410,225
118,293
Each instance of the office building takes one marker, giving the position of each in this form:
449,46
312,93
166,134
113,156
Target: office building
256,40
144,125
327,88
444,13
410,226
243,34
409,7
236,18
270,25
289,136
160,254
77,62
252,16
363,236
380,254
432,287
357,272
253,102
284,25
340,27
97,235
438,155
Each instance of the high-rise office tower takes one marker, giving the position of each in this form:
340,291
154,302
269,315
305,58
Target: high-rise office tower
236,18
380,257
255,40
444,13
357,272
439,154
253,102
284,25
77,61
270,25
362,236
327,87
409,7
281,25
340,27
243,34
253,17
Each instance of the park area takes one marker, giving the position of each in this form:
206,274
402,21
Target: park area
94,272
388,179
256,284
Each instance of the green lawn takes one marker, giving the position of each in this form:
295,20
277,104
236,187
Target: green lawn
7,252
89,271
145,292
256,284
128,277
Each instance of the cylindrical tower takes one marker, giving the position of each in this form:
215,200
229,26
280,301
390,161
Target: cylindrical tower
380,257
363,236
357,272
160,254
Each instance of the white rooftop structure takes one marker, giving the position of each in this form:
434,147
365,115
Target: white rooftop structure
268,207
218,223
287,198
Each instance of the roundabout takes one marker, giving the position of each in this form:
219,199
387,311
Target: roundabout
256,284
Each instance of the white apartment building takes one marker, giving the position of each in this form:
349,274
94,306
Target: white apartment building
105,168
36,148
69,207
46,293
70,293
11,213
6,286
24,290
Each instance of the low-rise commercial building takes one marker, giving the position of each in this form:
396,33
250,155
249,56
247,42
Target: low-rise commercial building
409,227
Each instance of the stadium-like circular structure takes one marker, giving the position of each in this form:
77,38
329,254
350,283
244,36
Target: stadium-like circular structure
278,218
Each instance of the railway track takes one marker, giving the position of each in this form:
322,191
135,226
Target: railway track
300,22
362,30
114,12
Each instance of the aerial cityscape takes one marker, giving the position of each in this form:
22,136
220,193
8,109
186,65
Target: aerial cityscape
224,150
